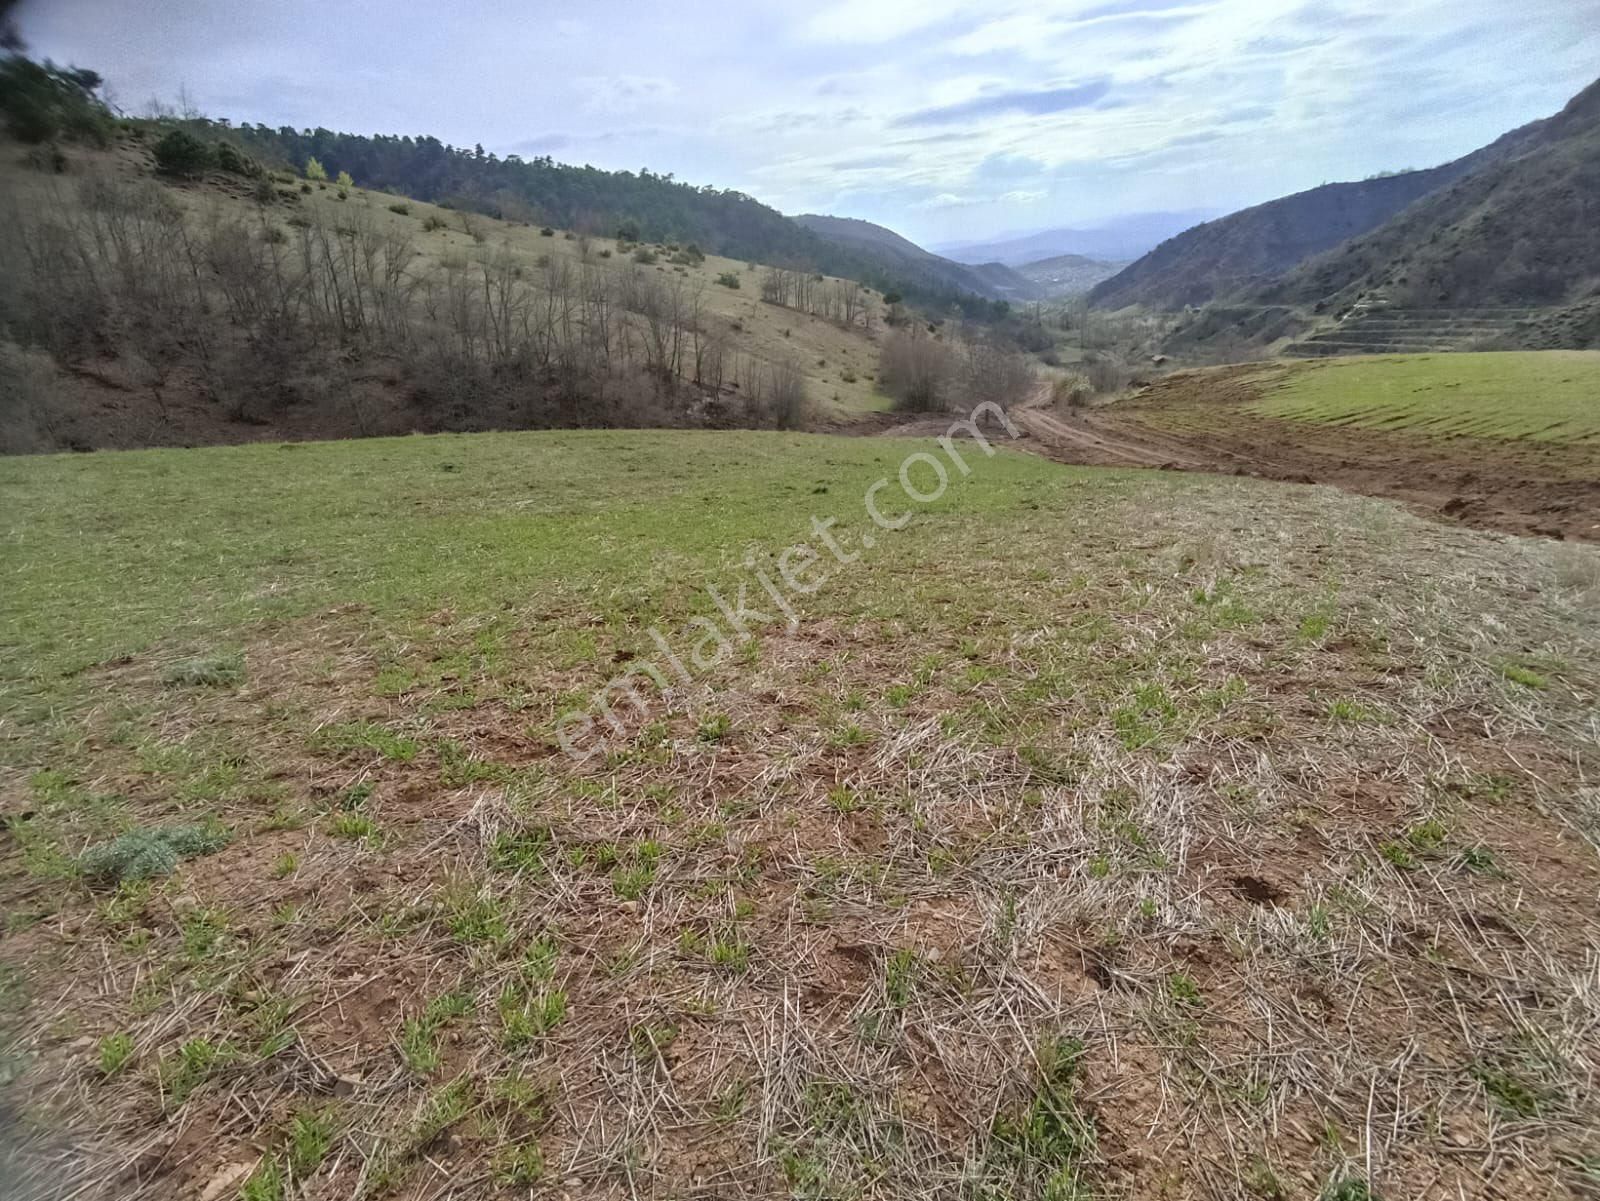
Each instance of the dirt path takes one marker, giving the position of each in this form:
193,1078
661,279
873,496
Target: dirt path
1200,421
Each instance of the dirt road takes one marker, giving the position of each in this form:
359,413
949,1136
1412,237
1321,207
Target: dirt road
1200,421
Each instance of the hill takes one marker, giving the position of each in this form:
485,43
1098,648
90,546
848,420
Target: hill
1498,201
911,262
323,312
653,207
1067,274
1118,240
1520,228
1219,258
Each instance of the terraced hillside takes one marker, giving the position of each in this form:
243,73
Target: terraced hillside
1382,330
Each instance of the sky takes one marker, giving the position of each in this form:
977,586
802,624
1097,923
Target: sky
948,122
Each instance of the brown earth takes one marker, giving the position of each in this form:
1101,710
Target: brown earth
1200,421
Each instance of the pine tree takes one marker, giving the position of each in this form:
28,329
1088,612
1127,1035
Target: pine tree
315,170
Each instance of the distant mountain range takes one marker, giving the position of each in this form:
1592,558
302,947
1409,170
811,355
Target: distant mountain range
1119,240
1515,223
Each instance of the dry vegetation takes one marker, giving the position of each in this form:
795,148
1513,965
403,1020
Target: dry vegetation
1176,837
284,305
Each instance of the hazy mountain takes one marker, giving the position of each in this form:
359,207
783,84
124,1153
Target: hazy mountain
905,259
1068,274
1521,228
1119,240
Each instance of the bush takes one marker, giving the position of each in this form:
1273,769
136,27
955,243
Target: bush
402,208
142,854
547,232
728,280
182,154
644,255
316,171
344,181
786,392
1071,391
235,161
916,371
432,222
1106,375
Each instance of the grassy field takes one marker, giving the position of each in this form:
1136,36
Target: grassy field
1097,835
1540,395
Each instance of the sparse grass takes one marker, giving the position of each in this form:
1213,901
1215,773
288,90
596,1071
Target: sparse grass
116,1051
1092,850
212,671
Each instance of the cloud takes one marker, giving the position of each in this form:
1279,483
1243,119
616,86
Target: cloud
872,162
945,200
623,93
879,21
1034,104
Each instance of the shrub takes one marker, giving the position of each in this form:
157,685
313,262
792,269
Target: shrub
547,232
728,280
235,161
402,208
315,171
644,255
1071,391
917,371
432,222
344,181
786,389
142,854
1106,375
182,154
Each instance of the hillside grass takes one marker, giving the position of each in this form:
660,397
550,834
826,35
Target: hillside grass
1548,396
1092,811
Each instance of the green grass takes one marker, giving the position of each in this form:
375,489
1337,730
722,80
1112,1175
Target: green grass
1054,674
111,554
1547,396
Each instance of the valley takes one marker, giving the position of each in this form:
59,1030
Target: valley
530,680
